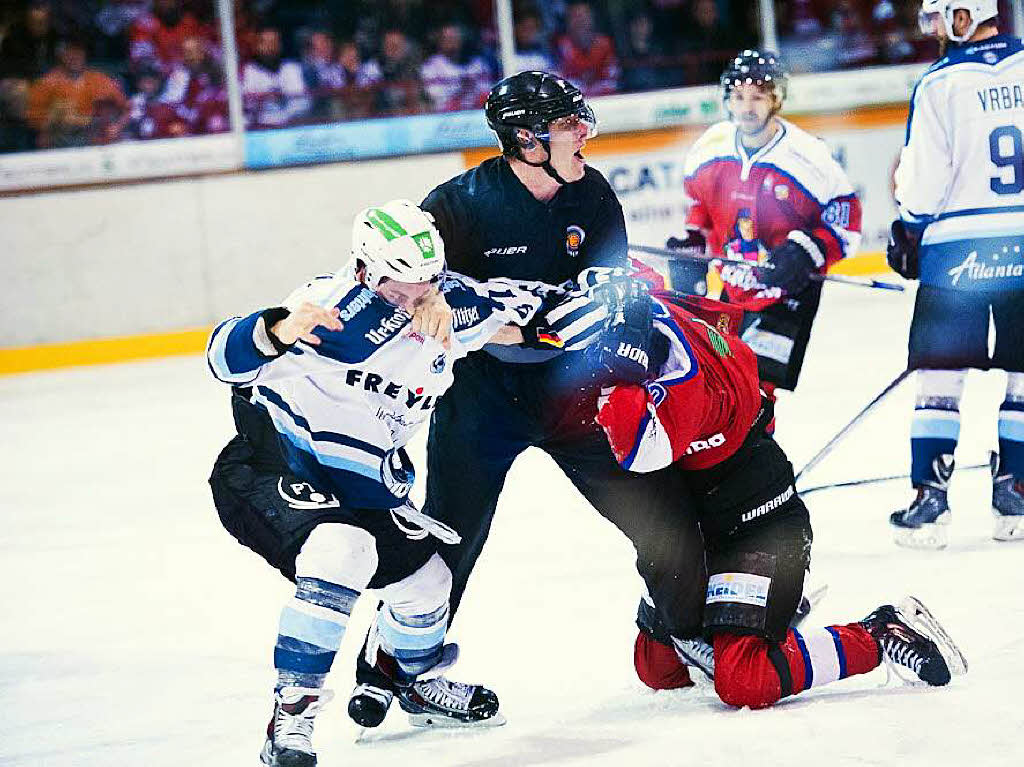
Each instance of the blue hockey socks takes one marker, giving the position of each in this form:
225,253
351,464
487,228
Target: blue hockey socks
311,628
414,641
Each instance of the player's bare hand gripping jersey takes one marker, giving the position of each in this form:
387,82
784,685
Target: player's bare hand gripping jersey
343,407
961,174
748,204
701,406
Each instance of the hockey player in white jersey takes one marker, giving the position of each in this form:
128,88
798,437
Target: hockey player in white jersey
960,191
327,391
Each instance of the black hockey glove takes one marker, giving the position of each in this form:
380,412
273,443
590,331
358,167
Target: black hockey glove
695,242
629,350
902,252
792,263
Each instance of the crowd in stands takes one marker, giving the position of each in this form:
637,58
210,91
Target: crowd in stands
78,72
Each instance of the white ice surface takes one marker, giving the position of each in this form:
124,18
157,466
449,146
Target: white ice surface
135,631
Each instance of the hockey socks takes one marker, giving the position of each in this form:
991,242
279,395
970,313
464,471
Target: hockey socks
414,641
311,627
751,671
1011,427
935,427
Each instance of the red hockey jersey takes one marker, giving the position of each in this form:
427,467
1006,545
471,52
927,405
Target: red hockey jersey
699,409
748,204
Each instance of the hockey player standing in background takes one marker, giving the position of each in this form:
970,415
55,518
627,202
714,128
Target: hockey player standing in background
683,392
960,191
337,381
766,192
537,212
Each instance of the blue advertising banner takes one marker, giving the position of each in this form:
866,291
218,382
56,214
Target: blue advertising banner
385,137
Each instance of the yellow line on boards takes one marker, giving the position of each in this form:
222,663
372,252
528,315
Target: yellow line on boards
103,350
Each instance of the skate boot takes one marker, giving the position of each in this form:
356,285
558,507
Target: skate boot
913,644
925,523
1007,503
438,702
290,731
697,653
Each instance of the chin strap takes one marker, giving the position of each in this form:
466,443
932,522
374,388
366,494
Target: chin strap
546,164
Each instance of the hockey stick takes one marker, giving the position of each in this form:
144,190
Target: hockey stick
830,445
686,255
875,480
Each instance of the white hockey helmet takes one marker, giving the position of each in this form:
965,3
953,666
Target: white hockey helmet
397,240
932,10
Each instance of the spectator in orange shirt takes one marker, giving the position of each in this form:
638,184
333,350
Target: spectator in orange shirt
73,105
160,34
584,55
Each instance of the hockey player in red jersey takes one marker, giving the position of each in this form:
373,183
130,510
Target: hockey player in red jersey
767,193
683,391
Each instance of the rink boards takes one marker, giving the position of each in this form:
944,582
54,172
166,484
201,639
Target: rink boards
145,269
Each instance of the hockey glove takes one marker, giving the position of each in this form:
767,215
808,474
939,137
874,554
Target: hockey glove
793,262
629,350
902,252
695,242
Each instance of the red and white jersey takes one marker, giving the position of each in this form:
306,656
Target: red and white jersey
747,204
699,409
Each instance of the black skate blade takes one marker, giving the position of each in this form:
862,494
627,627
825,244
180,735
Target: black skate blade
439,721
921,618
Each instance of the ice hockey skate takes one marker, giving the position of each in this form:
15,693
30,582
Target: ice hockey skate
430,701
925,523
697,653
915,647
1007,503
290,731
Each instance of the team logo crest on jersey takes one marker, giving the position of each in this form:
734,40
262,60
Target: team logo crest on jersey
437,366
574,237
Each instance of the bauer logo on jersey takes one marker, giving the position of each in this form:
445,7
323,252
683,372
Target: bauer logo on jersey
744,588
574,237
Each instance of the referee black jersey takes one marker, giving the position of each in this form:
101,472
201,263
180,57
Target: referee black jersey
494,227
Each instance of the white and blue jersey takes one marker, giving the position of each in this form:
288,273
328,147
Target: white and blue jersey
344,407
960,180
